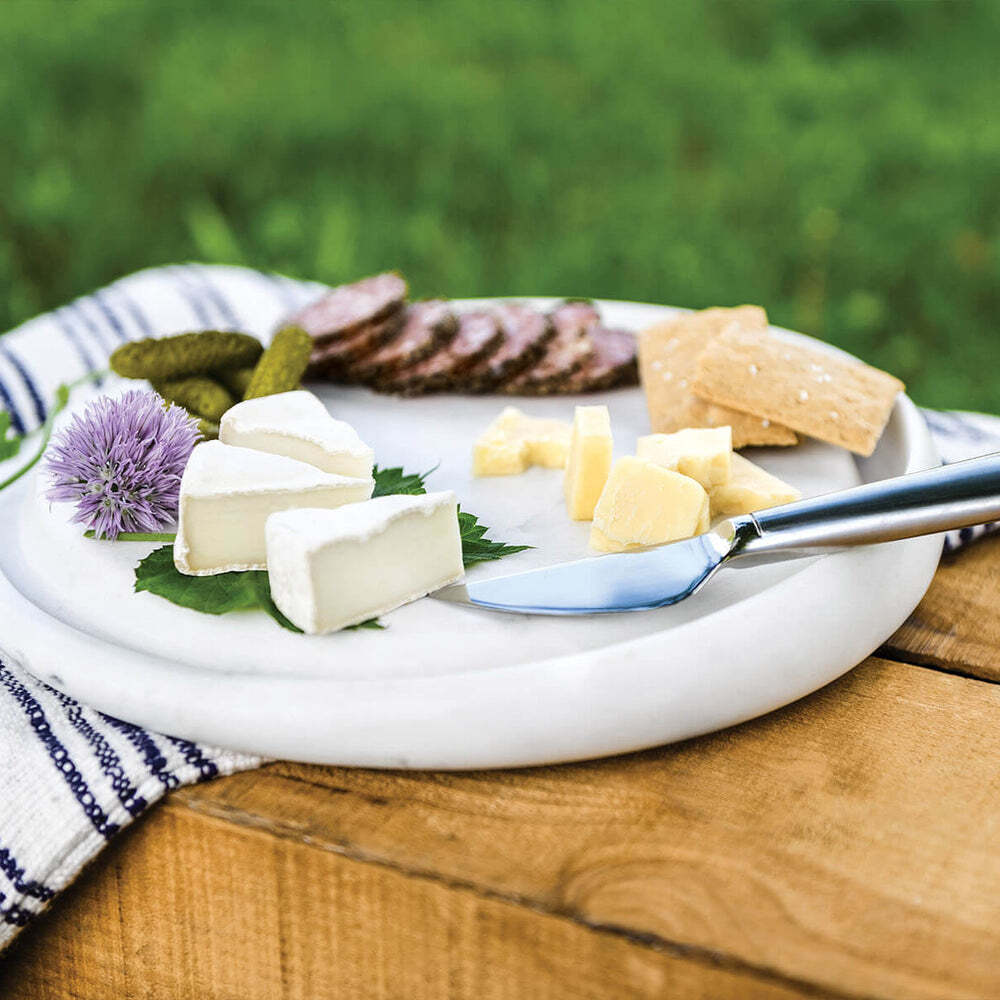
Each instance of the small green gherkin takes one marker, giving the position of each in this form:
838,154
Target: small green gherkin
185,354
198,394
282,365
235,380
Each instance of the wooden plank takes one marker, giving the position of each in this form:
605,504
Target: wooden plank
196,907
842,845
838,841
957,627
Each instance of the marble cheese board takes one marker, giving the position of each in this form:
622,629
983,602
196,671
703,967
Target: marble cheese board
446,686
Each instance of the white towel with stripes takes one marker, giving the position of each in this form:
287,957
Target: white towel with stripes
71,777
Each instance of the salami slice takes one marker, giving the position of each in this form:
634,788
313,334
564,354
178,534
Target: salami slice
565,354
479,336
612,364
428,326
526,332
335,355
575,313
350,307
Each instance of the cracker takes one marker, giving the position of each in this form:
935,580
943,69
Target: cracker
668,361
839,400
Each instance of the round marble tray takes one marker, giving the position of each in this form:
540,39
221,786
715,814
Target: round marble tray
453,687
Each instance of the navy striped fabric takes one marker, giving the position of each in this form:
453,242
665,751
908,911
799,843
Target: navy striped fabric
71,777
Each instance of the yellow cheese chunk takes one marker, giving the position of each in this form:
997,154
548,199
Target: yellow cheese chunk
645,504
704,517
749,488
703,453
601,542
514,441
589,461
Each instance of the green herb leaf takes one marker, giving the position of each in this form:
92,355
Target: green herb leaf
476,547
212,595
371,623
393,482
9,446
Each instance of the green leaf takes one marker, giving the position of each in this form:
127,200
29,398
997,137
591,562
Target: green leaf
9,446
394,482
371,623
476,547
212,595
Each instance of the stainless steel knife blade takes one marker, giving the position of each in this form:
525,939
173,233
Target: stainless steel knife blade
633,581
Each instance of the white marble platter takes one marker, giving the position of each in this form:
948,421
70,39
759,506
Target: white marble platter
446,686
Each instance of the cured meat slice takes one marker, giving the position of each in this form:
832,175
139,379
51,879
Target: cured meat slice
331,357
565,354
612,364
526,332
349,307
427,327
575,312
478,337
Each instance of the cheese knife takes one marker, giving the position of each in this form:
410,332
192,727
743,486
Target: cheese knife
921,503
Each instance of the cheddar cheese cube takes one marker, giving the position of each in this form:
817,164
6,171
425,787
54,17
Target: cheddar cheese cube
749,488
515,441
703,453
644,504
589,461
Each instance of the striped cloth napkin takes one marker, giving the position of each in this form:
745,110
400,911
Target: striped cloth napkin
71,777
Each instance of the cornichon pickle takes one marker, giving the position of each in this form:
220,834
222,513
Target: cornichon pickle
199,394
282,365
185,354
235,380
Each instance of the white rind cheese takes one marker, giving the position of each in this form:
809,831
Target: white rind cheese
228,493
297,425
333,568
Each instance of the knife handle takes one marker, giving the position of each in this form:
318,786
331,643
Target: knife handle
921,503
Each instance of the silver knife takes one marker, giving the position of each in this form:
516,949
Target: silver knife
921,503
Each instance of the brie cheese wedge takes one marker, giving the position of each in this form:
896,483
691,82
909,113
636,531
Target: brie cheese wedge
227,495
333,568
297,425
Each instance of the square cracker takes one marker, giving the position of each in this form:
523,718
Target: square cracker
668,362
836,399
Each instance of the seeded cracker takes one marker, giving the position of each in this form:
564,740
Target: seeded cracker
668,361
838,400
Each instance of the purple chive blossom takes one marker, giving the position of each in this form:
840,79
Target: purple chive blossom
121,462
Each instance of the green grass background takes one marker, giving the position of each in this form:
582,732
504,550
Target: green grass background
838,163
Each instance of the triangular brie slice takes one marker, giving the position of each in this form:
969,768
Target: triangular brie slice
334,568
297,425
227,495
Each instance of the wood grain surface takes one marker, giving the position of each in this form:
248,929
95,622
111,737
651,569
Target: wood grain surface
957,625
841,847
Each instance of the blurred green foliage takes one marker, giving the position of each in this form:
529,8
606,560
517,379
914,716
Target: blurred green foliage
836,162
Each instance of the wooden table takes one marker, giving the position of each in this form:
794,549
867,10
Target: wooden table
844,847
